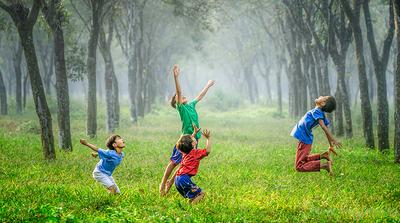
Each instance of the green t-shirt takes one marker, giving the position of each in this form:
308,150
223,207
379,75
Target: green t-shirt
188,116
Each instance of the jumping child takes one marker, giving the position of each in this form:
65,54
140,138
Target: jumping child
188,114
190,165
109,160
306,162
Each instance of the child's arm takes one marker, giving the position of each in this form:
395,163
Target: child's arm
177,85
207,135
205,89
332,141
93,147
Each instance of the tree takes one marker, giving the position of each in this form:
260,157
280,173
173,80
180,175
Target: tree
54,15
353,16
24,19
380,64
3,96
397,85
96,8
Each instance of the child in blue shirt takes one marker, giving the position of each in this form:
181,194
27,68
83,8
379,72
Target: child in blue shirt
306,162
109,160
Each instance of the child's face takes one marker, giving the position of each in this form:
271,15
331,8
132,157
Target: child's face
183,99
321,101
119,142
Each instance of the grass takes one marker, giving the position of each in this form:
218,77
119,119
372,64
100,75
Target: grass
248,177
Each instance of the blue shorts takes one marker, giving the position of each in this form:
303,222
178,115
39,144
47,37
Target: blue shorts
186,187
176,156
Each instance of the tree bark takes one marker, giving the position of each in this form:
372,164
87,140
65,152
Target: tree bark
397,86
18,75
97,7
354,17
3,96
380,65
54,19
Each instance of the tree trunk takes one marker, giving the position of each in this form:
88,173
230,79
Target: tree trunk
38,94
18,75
25,88
366,111
3,97
62,91
380,65
97,7
132,88
279,86
397,86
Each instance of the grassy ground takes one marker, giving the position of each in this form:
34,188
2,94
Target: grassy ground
248,177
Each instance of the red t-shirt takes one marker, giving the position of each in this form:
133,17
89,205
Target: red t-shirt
190,162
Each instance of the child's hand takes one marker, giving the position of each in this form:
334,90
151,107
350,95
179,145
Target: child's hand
195,129
83,141
95,155
337,144
176,70
206,133
210,83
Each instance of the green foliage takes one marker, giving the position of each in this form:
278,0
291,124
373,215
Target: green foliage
248,177
219,101
75,60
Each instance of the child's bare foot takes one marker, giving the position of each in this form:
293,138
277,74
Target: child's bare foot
326,155
162,189
329,167
197,198
168,186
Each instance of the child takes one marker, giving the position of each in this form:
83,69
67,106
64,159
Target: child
302,131
190,164
189,116
109,160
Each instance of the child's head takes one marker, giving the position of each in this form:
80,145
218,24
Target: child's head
174,99
115,141
326,103
186,143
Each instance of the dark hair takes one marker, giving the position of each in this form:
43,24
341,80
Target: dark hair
330,104
110,141
173,101
185,143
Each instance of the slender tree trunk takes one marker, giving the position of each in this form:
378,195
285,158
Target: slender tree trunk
380,65
62,91
397,86
39,97
3,97
279,86
132,88
97,7
366,111
18,75
25,88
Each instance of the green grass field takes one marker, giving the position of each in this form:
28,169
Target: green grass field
248,177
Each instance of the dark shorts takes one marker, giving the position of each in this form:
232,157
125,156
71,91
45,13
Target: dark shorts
176,156
186,187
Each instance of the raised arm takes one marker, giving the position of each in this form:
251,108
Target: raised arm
177,85
195,130
91,146
332,141
207,134
205,89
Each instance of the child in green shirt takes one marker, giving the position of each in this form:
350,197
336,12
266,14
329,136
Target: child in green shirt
189,118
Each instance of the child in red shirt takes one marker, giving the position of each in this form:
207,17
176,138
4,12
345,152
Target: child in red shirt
190,164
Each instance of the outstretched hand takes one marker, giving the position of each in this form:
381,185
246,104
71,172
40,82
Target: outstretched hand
206,133
195,129
210,83
83,141
176,70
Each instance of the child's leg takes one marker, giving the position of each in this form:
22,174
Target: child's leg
302,159
197,198
328,167
107,181
175,159
114,189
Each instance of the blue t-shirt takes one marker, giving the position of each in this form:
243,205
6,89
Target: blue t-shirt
302,130
109,159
